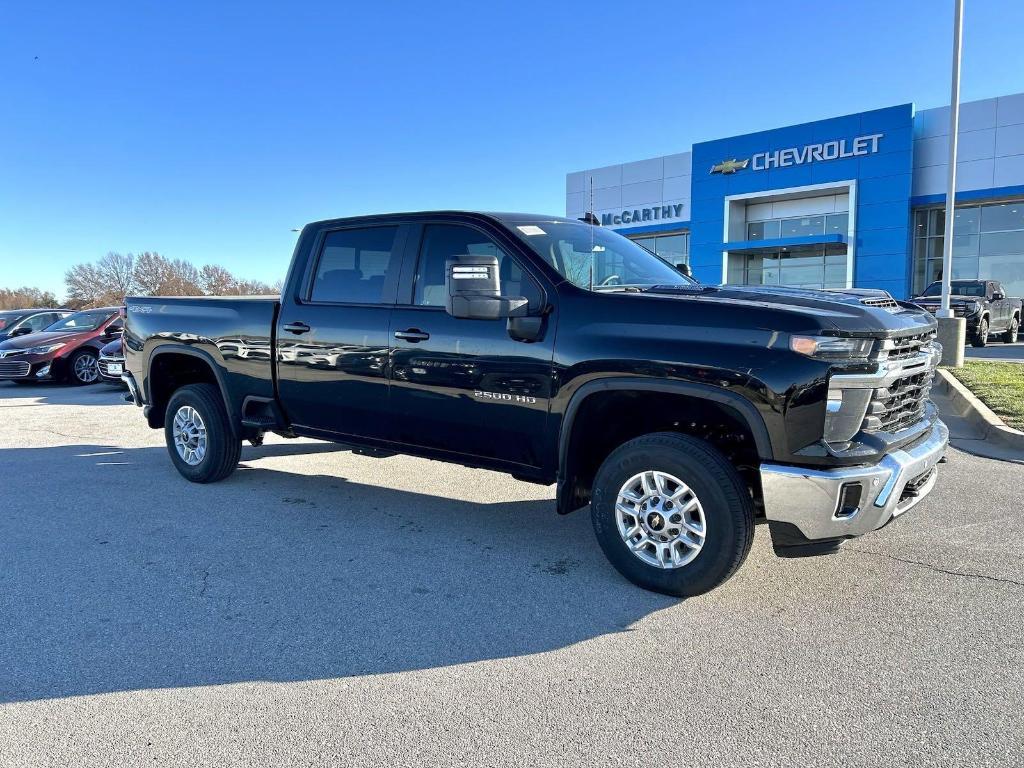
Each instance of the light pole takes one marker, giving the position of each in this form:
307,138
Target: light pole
952,329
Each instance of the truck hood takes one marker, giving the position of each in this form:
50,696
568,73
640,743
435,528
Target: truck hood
857,312
39,339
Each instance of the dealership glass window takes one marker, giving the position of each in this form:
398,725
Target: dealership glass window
764,230
988,243
803,226
673,248
799,226
815,266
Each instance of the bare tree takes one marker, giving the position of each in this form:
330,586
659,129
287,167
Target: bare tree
85,286
215,280
109,280
26,298
156,275
118,274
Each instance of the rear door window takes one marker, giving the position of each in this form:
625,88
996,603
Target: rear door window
356,265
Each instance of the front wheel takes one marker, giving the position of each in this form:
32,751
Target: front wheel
198,434
1010,336
671,514
981,337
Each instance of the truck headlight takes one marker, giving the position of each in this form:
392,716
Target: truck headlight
972,308
45,349
831,347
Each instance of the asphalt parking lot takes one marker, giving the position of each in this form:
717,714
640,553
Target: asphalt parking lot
321,607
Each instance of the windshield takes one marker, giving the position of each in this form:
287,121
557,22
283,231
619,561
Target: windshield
590,256
8,318
956,288
81,321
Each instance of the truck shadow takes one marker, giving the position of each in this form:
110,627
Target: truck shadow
117,575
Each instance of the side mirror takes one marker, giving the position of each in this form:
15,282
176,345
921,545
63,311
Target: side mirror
997,295
22,331
112,331
473,290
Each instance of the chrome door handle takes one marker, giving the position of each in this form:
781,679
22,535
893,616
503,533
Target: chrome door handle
412,334
297,328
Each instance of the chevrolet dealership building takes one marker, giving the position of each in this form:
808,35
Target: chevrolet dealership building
852,201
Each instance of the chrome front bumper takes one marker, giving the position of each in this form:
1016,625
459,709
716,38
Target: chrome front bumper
810,499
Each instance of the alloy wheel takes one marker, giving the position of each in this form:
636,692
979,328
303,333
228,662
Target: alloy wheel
189,432
86,369
660,519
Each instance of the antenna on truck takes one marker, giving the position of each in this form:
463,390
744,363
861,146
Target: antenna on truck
590,211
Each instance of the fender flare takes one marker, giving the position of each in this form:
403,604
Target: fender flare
169,348
743,407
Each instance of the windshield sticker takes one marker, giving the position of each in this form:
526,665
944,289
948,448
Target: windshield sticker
530,229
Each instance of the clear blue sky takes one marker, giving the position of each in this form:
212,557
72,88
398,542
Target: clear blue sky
208,130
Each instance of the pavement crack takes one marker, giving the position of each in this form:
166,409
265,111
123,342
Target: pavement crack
206,578
935,568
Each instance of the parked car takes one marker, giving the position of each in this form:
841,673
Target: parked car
111,362
558,351
67,350
21,322
983,304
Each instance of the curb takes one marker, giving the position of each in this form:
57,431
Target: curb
981,417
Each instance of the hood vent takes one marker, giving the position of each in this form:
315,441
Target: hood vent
888,303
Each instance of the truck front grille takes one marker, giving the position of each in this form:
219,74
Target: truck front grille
900,405
907,346
14,369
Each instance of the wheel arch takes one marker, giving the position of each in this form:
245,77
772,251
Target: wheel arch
739,408
162,383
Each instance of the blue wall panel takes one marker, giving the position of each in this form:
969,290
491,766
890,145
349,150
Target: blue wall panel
882,218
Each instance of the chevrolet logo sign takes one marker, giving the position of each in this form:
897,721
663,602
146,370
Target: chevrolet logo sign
730,166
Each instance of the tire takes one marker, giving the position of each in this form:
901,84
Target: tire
981,337
1010,336
725,504
83,368
221,450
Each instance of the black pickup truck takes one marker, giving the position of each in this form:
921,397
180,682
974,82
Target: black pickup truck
558,351
982,303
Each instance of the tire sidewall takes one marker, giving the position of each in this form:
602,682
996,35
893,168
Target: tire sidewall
216,441
725,527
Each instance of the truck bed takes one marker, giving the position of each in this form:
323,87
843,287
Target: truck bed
232,333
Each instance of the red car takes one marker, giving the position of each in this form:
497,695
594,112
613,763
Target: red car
68,350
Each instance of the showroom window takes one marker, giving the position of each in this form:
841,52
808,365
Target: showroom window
988,244
799,226
673,248
813,266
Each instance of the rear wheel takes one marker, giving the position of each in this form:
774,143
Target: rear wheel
981,337
1010,336
83,367
671,514
198,434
